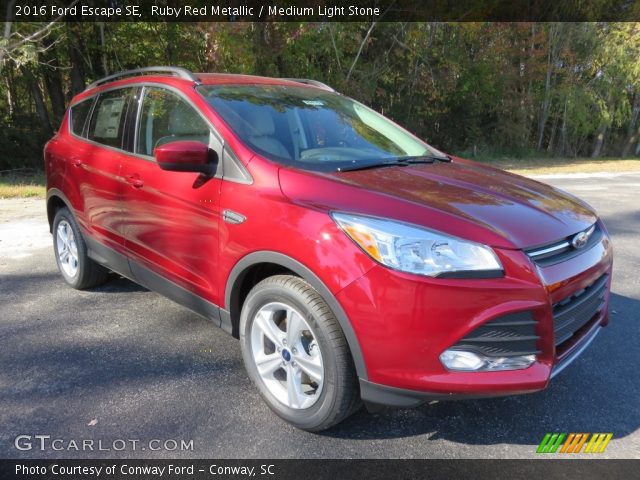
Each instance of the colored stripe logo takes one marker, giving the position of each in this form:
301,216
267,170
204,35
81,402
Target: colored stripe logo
574,442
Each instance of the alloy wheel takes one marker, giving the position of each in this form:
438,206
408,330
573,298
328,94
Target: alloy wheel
287,355
67,249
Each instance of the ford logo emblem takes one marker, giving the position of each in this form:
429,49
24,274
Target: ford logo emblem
580,240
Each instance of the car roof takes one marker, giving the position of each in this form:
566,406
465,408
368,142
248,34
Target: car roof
180,77
239,79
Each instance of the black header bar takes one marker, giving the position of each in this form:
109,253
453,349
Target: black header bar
320,10
582,469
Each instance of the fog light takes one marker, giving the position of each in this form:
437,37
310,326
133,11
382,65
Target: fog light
465,361
461,360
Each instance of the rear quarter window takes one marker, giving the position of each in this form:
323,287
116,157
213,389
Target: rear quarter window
108,118
79,114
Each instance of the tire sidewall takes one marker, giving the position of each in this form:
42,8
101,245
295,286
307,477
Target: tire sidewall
315,415
64,214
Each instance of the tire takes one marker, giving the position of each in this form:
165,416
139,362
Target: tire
323,403
80,272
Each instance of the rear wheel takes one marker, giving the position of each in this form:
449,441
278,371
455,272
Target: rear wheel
296,354
77,269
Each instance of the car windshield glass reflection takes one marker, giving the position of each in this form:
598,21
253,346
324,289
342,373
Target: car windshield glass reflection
312,129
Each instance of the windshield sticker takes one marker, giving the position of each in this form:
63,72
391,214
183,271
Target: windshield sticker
316,103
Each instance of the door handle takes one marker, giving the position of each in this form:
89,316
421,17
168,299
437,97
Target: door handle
135,181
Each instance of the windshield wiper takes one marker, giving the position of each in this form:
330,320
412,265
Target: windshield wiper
396,162
357,166
423,159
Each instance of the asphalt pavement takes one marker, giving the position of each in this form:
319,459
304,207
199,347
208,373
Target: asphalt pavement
119,371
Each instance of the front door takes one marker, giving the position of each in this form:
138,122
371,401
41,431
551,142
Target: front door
170,219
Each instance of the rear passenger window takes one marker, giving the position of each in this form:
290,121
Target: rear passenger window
108,119
79,113
167,118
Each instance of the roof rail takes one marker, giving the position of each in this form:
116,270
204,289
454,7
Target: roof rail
314,83
175,71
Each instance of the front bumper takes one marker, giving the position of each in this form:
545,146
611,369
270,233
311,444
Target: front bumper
404,322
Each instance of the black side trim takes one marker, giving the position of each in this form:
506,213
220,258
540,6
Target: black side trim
225,321
108,257
374,394
161,285
237,274
140,274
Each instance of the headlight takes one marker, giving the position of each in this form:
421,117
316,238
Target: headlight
413,249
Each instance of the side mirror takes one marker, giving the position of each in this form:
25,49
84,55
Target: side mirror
186,156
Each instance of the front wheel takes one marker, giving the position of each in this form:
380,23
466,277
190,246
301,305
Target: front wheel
296,354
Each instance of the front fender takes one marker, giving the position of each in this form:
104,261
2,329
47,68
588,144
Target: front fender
232,290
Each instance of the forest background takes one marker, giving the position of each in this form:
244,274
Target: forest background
481,90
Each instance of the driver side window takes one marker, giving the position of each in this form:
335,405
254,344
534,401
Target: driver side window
166,118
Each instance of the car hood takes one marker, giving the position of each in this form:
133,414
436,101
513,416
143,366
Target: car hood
460,198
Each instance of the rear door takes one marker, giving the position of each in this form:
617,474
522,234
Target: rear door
76,154
96,162
170,219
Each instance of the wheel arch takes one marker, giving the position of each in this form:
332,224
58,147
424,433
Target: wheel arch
279,263
55,201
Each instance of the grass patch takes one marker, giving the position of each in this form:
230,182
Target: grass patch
539,166
22,184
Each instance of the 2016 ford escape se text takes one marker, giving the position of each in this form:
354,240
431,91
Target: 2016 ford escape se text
354,262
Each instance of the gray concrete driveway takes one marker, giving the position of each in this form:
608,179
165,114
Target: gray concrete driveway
120,363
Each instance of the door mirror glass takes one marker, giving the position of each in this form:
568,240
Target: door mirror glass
186,156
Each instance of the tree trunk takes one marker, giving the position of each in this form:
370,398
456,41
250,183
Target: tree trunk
41,107
75,58
9,97
556,40
362,44
52,81
599,141
552,136
547,92
261,44
335,48
11,93
602,130
103,49
632,132
563,130
7,28
171,38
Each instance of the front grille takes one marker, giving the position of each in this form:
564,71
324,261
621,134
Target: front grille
575,311
507,336
562,250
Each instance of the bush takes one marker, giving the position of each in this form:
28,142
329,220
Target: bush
21,144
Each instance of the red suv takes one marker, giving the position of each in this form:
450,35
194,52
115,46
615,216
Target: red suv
353,261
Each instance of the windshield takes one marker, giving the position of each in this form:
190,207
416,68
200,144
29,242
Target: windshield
312,129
